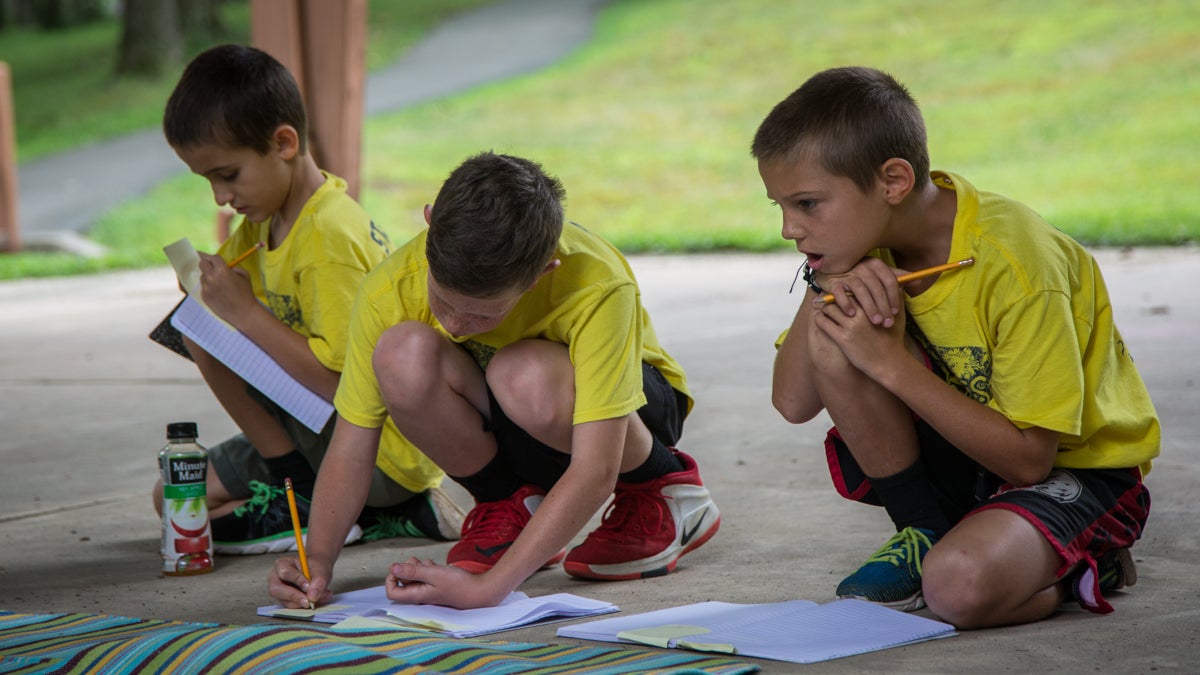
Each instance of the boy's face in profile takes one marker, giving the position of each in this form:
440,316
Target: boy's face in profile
254,185
463,315
829,218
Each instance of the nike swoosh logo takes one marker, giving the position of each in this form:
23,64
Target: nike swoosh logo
688,534
493,550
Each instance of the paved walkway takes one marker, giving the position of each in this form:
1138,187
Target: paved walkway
61,195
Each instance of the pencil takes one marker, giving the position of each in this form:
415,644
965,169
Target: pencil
240,258
291,497
913,276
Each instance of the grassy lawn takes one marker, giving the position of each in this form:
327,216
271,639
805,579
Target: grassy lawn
1086,111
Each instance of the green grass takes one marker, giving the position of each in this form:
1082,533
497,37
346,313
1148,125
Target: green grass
1086,111
58,74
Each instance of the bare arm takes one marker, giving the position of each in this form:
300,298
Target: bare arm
341,492
1019,456
575,498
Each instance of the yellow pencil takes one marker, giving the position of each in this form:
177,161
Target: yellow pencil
234,263
913,276
291,497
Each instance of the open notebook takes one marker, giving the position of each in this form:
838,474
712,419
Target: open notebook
517,611
799,630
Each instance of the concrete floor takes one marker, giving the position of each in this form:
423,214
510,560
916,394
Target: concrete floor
85,397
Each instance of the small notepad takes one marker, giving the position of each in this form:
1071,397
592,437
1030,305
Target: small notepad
799,631
517,611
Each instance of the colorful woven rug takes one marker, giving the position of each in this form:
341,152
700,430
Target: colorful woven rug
91,643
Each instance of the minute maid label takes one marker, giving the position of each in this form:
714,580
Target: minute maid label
183,470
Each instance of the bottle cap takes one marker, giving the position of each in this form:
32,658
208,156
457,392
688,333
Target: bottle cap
181,430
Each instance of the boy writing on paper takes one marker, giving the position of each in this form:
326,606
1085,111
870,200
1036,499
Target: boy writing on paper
993,411
515,352
236,118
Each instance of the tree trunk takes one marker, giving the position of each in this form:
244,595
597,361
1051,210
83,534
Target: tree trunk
151,42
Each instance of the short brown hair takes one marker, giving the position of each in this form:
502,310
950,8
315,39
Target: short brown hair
851,121
234,95
495,225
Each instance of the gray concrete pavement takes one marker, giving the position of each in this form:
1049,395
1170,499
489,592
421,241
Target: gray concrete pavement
86,398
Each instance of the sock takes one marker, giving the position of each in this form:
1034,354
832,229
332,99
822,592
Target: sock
294,465
910,500
660,463
493,482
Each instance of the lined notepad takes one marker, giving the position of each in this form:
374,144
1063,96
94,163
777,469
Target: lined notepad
239,353
251,363
799,631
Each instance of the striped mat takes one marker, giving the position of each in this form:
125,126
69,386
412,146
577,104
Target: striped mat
91,643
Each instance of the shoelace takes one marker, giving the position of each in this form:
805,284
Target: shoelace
386,527
903,547
643,506
495,520
261,499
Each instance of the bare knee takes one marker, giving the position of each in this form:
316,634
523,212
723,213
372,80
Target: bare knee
956,588
405,362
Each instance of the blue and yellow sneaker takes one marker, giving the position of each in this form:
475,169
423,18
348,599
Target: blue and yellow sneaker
892,576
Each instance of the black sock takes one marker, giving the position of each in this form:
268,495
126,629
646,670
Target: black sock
493,482
910,500
660,463
294,465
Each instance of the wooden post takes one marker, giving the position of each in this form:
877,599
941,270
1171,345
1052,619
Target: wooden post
10,227
324,44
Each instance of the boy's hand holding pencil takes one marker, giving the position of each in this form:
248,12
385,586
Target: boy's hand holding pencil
911,276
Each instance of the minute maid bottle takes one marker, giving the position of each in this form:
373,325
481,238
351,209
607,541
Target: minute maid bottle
186,539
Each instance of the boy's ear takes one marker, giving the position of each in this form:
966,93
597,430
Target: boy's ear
428,214
898,179
287,141
550,267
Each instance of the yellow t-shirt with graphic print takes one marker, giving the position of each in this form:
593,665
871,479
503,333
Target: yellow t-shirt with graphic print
1028,331
309,281
590,303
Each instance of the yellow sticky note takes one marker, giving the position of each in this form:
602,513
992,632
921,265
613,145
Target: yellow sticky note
661,636
306,613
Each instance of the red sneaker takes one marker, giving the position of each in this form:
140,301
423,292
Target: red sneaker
491,527
648,527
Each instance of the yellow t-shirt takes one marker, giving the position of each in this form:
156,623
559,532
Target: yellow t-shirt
309,281
1028,331
590,303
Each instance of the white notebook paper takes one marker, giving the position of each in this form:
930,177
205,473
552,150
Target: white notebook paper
251,363
517,611
799,630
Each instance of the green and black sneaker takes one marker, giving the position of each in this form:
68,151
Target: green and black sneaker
264,524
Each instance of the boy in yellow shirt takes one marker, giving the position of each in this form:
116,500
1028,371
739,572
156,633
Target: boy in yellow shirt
515,352
236,118
993,411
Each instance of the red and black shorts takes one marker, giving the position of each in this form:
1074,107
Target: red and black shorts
1082,513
